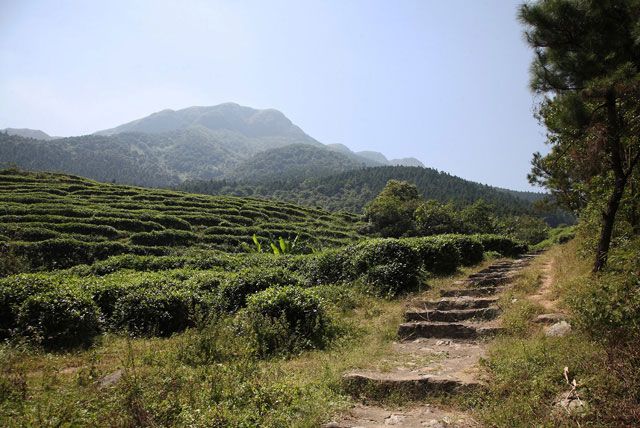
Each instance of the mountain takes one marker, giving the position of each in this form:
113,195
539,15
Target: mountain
371,158
374,156
294,162
406,162
28,133
125,158
227,141
270,127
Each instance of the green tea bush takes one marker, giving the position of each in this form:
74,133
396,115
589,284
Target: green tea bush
438,255
207,281
88,229
470,248
328,267
232,294
30,233
161,311
14,290
506,246
138,263
390,266
164,238
61,318
64,253
127,224
287,320
202,220
168,221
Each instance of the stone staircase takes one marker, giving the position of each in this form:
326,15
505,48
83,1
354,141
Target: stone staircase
447,332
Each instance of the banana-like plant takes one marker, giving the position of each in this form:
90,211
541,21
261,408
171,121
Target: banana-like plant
279,247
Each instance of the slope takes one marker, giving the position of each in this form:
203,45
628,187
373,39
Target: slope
56,220
352,190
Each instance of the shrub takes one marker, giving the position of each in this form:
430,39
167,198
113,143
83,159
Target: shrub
168,221
60,318
608,307
164,238
469,248
233,293
328,267
64,253
287,319
88,229
152,311
208,281
14,291
138,263
438,255
30,233
506,246
390,266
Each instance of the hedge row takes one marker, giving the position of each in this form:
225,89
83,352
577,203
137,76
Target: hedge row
68,309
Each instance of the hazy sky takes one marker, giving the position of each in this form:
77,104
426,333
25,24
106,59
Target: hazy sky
443,81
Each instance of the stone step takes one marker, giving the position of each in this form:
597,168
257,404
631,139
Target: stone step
489,275
484,282
497,269
447,304
454,315
471,292
444,330
376,386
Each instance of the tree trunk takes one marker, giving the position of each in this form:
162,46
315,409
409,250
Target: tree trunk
608,220
614,152
634,219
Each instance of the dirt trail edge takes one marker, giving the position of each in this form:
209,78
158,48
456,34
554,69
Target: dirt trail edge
437,354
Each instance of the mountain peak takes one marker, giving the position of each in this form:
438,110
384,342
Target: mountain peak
246,121
28,133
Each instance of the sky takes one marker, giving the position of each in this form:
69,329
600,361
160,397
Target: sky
443,81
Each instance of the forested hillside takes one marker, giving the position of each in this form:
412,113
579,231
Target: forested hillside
352,190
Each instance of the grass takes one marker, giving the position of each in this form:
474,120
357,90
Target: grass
159,389
526,368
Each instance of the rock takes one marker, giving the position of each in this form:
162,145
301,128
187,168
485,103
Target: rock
394,419
550,318
434,423
572,406
110,379
558,329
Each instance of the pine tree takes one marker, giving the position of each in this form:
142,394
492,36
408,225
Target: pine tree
586,67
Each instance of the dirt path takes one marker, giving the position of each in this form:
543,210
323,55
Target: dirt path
440,345
544,296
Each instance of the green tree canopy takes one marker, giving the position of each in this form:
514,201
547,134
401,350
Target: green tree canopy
391,212
587,57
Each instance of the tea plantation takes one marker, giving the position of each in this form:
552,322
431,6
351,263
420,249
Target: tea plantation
56,221
88,268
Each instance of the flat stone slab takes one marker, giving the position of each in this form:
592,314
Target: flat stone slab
471,292
551,318
449,303
414,330
452,315
375,385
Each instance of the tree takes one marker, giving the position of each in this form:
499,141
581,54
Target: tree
433,218
478,217
587,57
391,212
